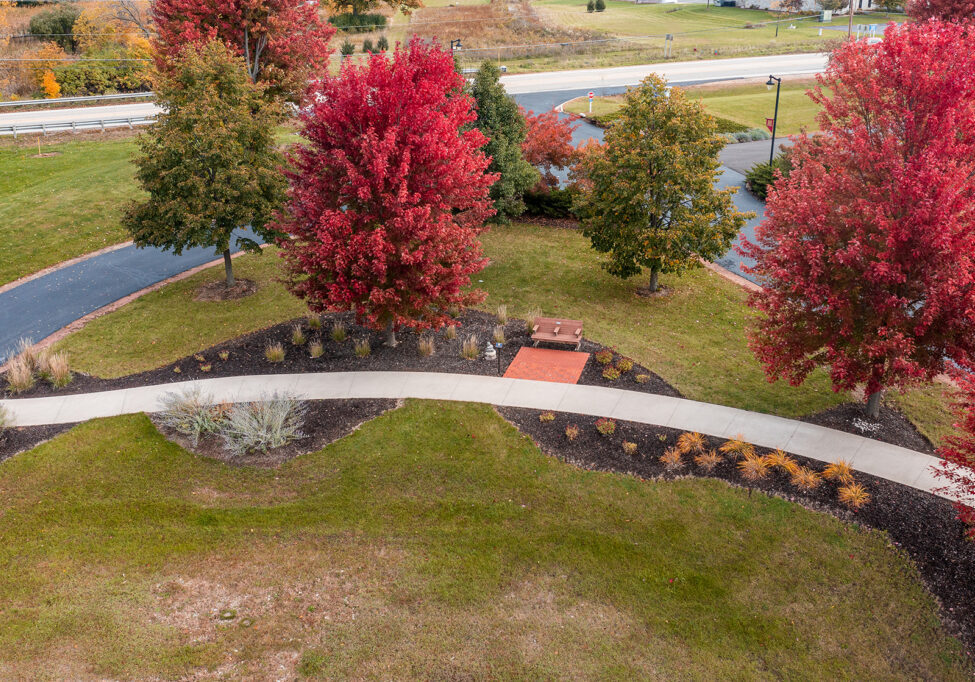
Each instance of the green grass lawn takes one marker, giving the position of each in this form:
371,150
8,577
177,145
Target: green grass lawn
436,542
59,207
749,105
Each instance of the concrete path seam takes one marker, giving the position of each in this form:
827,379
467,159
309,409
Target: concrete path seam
890,462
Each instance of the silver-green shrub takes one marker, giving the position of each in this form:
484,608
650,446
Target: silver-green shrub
268,423
191,413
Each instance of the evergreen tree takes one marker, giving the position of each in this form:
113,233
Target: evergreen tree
600,5
499,118
208,164
591,6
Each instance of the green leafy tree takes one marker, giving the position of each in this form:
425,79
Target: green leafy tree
208,164
500,120
648,197
57,25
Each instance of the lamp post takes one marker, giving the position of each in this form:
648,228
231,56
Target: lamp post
455,45
772,80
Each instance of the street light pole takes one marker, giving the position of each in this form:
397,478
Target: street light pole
775,121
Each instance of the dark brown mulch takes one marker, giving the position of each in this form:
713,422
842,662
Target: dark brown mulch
246,356
20,438
892,426
219,291
325,422
919,523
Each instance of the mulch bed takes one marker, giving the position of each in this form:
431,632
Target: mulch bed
21,438
325,422
245,355
923,525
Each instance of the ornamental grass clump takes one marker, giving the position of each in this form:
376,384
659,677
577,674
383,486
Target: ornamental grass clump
425,346
470,349
778,459
672,459
530,318
271,422
805,479
604,356
274,352
546,417
20,377
606,427
611,374
314,322
572,432
450,333
689,443
298,337
28,354
362,348
502,314
191,414
737,447
753,468
708,460
498,335
316,349
629,447
839,471
339,331
853,496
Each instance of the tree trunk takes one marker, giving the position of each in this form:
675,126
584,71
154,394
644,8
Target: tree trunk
391,335
654,276
873,405
228,267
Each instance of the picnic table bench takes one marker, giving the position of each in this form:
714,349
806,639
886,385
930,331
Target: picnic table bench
552,330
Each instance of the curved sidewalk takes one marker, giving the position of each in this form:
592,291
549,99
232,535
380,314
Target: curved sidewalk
869,456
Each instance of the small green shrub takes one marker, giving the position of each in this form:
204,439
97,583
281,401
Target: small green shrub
760,176
191,413
362,348
591,6
604,356
382,44
271,422
358,23
606,427
367,46
274,352
347,49
600,5
624,365
546,417
629,447
224,355
611,374
641,378
726,125
314,322
339,331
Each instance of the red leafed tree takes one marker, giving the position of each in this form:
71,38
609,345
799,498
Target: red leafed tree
946,10
389,193
548,146
958,457
867,256
282,41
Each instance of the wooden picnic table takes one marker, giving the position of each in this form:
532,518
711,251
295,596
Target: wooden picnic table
557,330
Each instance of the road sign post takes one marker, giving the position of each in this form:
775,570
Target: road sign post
590,102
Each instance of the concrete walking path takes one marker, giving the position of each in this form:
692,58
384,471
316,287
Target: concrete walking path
869,456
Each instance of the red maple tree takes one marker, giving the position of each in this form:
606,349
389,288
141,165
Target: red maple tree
548,146
945,10
958,456
281,41
389,192
867,256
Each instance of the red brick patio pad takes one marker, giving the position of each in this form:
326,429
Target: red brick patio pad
543,364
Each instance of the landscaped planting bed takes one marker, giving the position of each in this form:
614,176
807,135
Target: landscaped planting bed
921,524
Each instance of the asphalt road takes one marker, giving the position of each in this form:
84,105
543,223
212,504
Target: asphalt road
44,305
